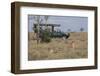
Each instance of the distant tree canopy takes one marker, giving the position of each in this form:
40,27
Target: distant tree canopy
69,30
82,29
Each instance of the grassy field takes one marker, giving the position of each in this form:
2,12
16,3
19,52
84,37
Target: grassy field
74,47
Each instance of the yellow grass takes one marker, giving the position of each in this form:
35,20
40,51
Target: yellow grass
59,48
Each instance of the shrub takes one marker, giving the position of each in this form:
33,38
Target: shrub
46,36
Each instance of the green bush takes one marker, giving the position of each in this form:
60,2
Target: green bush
46,36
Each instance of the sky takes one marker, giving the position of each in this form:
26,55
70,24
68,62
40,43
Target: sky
74,23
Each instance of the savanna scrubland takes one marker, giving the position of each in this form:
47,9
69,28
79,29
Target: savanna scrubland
75,47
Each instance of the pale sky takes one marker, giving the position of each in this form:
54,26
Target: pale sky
66,22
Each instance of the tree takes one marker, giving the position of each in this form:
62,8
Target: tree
38,20
81,29
69,30
46,33
46,21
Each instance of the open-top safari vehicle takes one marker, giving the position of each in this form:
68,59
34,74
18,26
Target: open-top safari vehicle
46,34
59,34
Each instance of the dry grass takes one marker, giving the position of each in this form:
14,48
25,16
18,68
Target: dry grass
59,48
